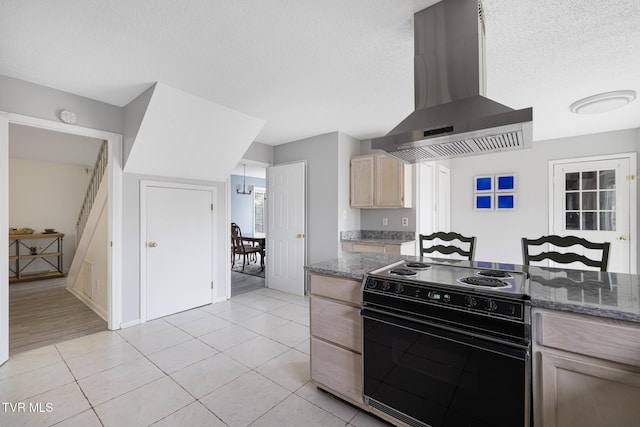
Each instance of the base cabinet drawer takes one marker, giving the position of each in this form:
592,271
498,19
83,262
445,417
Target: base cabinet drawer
335,322
337,369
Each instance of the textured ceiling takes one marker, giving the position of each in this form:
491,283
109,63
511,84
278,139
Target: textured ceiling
310,67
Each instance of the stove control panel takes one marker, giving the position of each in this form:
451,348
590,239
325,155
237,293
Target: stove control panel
479,303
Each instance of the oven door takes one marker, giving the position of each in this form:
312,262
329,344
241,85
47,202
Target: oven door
443,377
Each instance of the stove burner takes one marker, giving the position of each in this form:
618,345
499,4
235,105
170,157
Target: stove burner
484,281
417,265
402,272
494,273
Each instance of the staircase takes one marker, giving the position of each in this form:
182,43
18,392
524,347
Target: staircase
84,279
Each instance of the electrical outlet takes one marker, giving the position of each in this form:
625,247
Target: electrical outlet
385,221
405,221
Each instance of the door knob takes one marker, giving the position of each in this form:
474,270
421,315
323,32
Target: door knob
622,238
299,236
152,244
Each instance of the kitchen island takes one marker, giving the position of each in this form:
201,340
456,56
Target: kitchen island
585,339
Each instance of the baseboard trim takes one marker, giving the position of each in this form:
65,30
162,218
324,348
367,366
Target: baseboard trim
89,303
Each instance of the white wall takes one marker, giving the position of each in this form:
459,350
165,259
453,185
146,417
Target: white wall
499,233
47,195
97,256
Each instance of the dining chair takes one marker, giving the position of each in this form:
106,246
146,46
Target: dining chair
448,243
566,257
238,247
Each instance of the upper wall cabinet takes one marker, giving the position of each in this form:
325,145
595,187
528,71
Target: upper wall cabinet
380,181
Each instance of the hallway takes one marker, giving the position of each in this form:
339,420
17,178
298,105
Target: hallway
44,312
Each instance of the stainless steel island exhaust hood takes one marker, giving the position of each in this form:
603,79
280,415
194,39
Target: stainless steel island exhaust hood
452,118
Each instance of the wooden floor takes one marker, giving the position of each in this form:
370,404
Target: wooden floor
44,312
241,283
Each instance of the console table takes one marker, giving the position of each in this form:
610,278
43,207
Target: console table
49,250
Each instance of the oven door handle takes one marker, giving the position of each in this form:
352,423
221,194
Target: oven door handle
518,351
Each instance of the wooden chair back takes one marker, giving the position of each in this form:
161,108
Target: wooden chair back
565,257
448,244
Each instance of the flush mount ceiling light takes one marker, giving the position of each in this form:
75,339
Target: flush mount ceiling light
603,102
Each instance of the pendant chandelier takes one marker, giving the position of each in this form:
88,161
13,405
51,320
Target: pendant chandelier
245,190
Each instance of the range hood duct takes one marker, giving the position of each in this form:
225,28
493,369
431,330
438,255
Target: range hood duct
452,117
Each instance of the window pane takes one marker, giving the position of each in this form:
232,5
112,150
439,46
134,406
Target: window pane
589,200
572,181
607,200
258,201
573,202
608,221
589,180
572,221
608,179
589,220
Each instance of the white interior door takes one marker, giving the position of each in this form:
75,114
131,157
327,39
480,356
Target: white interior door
4,239
591,199
285,235
178,249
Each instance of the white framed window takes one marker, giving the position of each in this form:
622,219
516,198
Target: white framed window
259,197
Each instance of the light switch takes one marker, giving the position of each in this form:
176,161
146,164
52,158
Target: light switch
385,221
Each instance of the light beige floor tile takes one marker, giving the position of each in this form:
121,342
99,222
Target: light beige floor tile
193,415
31,383
327,401
146,328
209,374
83,419
103,359
239,313
290,334
304,320
152,343
264,322
290,369
29,360
245,399
218,307
266,304
88,343
256,351
290,312
186,316
363,419
145,405
204,326
184,354
295,411
48,408
304,347
247,298
228,337
291,298
121,379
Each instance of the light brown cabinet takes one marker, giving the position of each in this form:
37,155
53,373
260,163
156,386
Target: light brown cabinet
380,181
336,336
407,248
586,370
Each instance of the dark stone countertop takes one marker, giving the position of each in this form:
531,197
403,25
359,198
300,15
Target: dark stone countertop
610,295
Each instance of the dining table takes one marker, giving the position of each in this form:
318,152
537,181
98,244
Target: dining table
262,243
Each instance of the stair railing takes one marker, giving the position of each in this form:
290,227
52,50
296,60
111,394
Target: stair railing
99,169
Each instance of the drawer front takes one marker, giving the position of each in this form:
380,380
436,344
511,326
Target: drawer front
336,322
602,338
337,369
336,288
